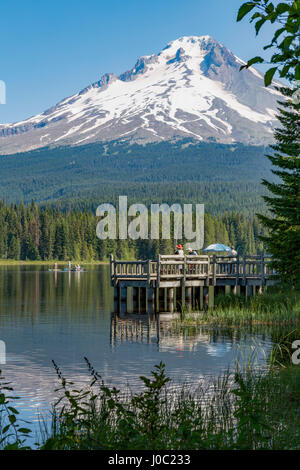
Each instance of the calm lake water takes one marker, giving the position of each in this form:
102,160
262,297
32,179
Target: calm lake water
66,316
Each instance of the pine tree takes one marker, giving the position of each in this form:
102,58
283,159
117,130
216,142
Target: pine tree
14,251
283,240
209,230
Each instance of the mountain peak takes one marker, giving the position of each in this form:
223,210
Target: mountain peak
192,88
193,40
180,50
190,46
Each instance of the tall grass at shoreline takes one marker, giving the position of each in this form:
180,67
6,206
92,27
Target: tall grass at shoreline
274,306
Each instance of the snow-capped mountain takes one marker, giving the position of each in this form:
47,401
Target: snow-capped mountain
192,88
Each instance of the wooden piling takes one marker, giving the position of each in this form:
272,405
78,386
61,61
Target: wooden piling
243,290
122,299
156,299
188,298
196,298
135,299
205,298
161,300
143,299
236,290
170,299
116,299
150,300
178,299
249,291
211,297
201,298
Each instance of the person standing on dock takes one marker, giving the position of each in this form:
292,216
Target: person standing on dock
192,252
179,251
230,267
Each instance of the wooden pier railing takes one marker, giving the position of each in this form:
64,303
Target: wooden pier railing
192,268
186,278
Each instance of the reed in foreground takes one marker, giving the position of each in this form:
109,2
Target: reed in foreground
275,306
244,410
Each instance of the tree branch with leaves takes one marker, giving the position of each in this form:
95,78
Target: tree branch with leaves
286,39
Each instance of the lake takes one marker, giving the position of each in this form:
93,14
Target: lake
64,317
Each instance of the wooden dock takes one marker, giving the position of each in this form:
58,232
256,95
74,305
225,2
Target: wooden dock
173,283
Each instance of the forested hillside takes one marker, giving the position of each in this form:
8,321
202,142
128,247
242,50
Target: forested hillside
35,233
223,177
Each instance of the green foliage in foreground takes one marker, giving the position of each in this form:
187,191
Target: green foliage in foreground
238,411
286,39
283,240
13,432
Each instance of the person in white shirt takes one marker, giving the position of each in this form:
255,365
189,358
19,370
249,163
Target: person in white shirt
179,251
232,253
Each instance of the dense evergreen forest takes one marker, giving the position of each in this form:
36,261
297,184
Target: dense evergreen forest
68,184
31,232
246,198
223,177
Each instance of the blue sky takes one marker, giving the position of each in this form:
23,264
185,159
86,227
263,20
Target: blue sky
52,49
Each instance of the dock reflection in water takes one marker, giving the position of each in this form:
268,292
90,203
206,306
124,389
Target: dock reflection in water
166,335
67,316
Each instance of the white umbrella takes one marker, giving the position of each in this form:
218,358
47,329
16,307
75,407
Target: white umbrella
217,247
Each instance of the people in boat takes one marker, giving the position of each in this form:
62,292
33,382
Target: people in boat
69,265
77,267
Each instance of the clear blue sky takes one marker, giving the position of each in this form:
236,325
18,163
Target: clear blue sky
51,49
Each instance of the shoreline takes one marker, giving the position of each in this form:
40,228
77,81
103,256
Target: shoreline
12,262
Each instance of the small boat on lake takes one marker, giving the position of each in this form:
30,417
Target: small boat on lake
67,270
